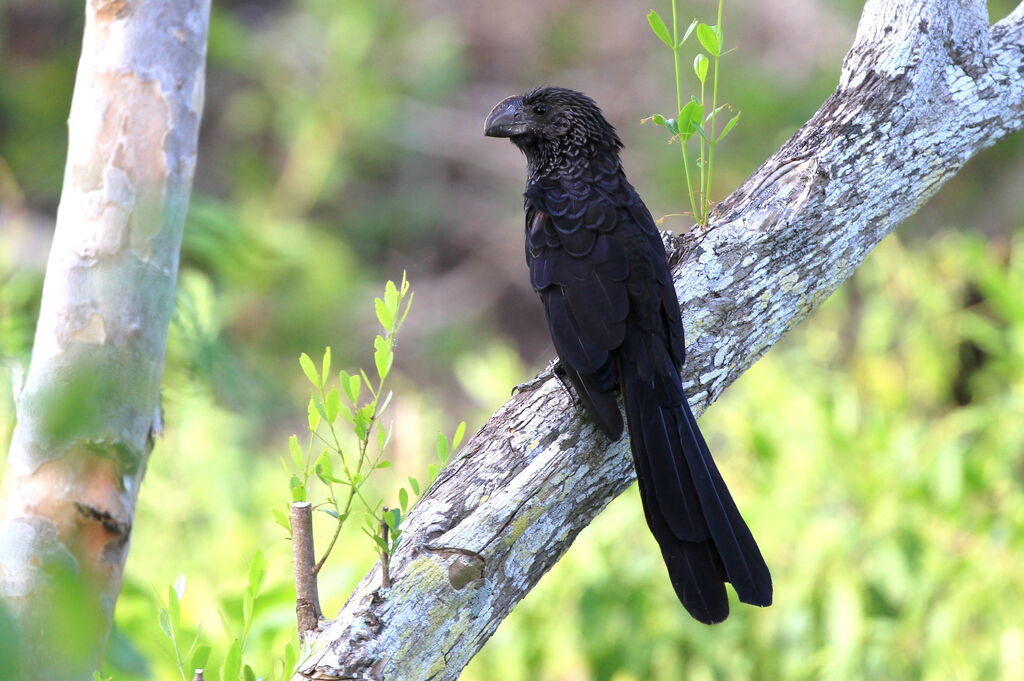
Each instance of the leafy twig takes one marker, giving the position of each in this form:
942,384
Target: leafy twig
693,117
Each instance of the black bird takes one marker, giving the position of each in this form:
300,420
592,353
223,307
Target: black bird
598,262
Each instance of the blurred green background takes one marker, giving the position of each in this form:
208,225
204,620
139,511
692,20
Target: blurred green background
877,452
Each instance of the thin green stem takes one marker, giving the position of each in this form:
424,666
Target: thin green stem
334,434
364,443
675,55
306,463
355,476
334,538
714,114
702,217
353,490
177,655
343,515
679,106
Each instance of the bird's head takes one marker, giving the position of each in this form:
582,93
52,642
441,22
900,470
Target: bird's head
550,121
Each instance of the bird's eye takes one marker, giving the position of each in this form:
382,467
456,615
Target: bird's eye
540,109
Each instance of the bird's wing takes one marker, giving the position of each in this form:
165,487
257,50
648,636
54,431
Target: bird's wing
580,269
672,324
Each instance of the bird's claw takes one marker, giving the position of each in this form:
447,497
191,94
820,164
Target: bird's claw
554,368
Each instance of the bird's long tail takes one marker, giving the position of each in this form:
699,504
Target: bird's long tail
702,535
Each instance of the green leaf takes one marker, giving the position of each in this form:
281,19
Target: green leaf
257,571
319,406
383,314
383,464
347,414
313,413
460,432
174,606
714,112
658,119
247,605
248,674
377,539
442,446
382,356
672,126
297,488
708,37
281,519
405,313
324,469
327,365
296,451
728,127
179,586
415,484
691,112
689,31
383,435
291,658
392,517
332,405
232,662
330,511
200,657
391,298
403,499
351,385
164,618
361,421
659,28
700,66
309,369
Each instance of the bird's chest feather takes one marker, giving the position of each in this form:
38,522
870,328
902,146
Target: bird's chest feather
571,230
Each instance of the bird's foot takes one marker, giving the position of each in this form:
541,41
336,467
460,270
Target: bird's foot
554,368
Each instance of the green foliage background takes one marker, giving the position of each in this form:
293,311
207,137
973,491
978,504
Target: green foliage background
878,451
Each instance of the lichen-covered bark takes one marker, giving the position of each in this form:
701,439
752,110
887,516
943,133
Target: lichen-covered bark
89,406
926,85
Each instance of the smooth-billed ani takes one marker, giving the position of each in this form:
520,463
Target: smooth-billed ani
598,262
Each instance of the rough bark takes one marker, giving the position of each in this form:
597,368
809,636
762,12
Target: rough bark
89,407
307,599
926,85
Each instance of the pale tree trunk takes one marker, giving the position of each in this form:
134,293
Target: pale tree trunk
927,84
90,404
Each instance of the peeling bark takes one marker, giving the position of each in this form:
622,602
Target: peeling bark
926,85
89,407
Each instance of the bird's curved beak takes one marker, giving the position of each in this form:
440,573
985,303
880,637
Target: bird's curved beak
506,119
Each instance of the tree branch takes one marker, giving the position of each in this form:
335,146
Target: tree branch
925,86
90,405
307,599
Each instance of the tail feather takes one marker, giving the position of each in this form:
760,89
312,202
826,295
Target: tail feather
671,481
703,538
741,558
